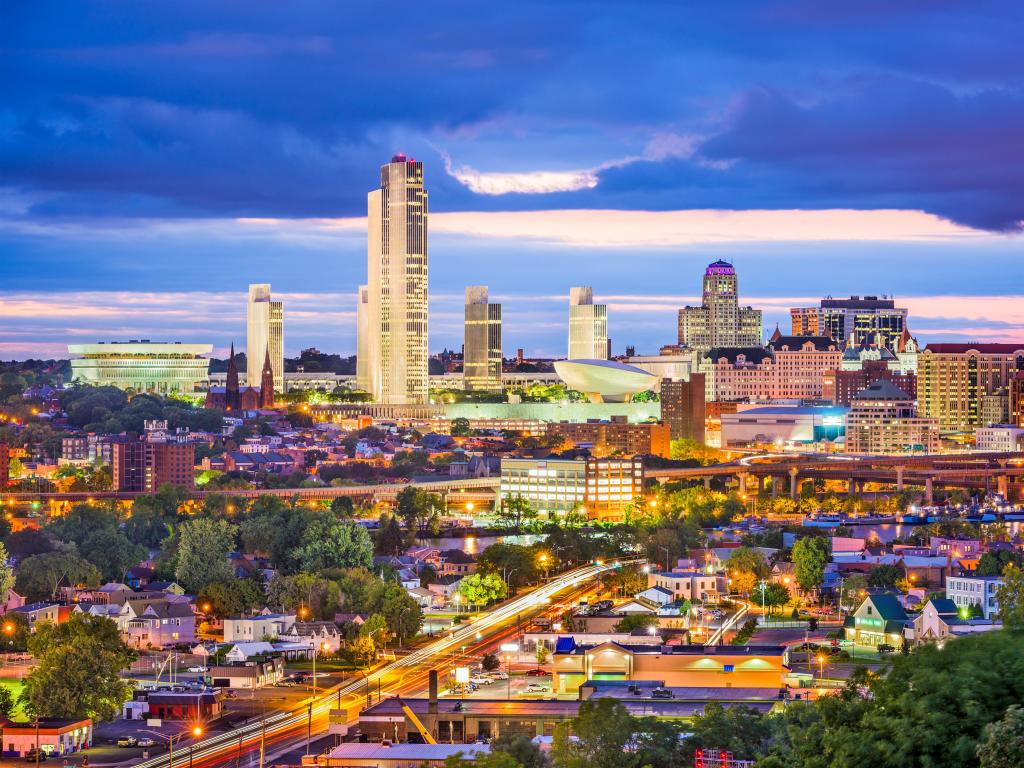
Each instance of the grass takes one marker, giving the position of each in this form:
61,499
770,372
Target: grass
15,686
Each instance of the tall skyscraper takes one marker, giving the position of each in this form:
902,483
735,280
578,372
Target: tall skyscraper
396,338
264,335
856,320
362,338
588,326
481,354
720,321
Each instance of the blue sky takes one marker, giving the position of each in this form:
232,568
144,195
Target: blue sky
157,157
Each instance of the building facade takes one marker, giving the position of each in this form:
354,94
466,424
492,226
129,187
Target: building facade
141,466
1000,437
1015,399
967,591
719,321
395,339
588,326
362,338
883,420
616,436
840,386
683,407
852,320
601,488
791,368
141,366
781,425
952,380
481,353
264,334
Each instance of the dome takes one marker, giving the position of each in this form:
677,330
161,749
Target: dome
605,381
720,268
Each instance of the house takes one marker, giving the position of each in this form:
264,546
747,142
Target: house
14,600
264,625
966,591
161,624
408,578
239,653
37,612
423,596
957,548
455,562
112,592
658,595
139,576
54,737
445,587
176,703
250,675
321,635
695,586
941,619
879,620
170,587
350,618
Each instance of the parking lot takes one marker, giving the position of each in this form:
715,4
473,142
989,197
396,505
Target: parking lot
519,686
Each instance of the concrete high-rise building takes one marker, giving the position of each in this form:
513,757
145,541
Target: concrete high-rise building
953,380
588,326
683,407
884,420
720,321
481,353
143,466
858,320
362,338
264,335
396,337
1016,399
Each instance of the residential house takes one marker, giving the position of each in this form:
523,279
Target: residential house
251,675
37,612
695,586
321,635
455,562
879,620
966,591
253,628
170,587
14,600
445,587
941,619
161,624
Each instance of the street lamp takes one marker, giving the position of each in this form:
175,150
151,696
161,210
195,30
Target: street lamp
821,667
322,647
544,563
763,585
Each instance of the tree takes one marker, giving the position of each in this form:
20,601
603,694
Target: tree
1010,597
231,598
736,729
460,427
320,596
40,576
515,510
112,553
775,595
636,621
402,614
203,548
810,555
993,563
274,529
7,702
79,670
332,543
6,575
603,728
482,588
490,662
413,506
884,576
1002,745
542,654
746,566
390,540
516,563
343,506
520,747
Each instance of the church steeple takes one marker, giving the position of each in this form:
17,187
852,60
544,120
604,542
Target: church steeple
231,392
267,384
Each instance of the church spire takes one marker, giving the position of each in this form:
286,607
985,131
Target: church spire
267,383
231,392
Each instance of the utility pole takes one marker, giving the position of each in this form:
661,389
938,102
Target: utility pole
309,725
263,741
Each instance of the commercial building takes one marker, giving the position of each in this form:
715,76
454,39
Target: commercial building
53,737
605,381
968,591
602,488
588,326
1015,399
683,407
782,425
840,386
141,366
719,321
852,319
362,339
672,363
395,333
255,628
481,353
141,466
1000,437
799,364
792,368
689,666
883,420
264,335
616,436
952,380
879,620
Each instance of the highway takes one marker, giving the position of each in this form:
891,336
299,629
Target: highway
407,673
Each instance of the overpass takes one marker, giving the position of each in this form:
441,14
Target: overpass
473,489
924,470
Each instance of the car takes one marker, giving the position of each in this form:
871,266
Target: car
128,741
480,680
808,647
537,688
146,742
197,669
287,683
497,675
886,648
538,672
30,756
662,693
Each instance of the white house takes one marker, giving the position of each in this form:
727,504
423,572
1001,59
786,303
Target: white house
658,595
966,591
695,586
941,619
253,628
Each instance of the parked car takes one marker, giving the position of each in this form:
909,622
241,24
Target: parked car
886,648
146,742
497,675
537,688
538,672
480,680
197,669
662,693
30,756
128,741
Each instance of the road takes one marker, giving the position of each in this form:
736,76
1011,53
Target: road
406,674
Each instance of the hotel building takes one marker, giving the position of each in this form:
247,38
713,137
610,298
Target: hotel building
141,366
953,379
602,488
264,335
883,420
792,368
588,326
481,353
394,339
719,321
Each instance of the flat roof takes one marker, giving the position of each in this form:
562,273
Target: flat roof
140,348
375,751
550,708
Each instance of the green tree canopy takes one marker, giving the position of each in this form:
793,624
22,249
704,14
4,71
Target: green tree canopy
810,555
482,588
203,548
40,576
1010,597
1002,745
332,543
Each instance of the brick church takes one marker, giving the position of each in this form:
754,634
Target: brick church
234,398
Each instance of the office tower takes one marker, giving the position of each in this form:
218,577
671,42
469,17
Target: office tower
362,338
1016,399
720,321
953,379
481,353
883,420
264,334
683,407
854,319
588,326
396,338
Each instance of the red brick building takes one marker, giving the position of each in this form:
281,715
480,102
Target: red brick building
840,386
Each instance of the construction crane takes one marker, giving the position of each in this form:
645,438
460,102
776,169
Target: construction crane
424,733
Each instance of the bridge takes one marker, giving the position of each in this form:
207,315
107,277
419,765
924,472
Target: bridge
468,489
968,470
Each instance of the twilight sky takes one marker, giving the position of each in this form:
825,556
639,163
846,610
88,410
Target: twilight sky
157,157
